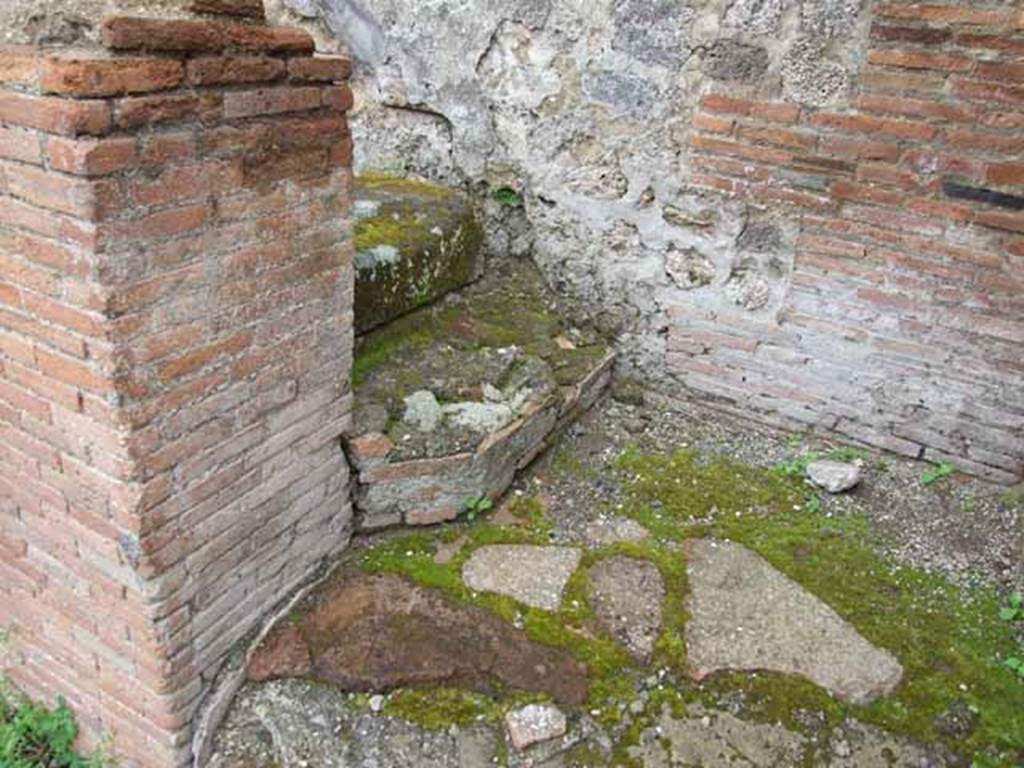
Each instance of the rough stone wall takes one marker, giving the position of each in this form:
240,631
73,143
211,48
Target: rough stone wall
874,282
175,350
602,115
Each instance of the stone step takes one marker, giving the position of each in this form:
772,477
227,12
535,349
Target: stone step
455,398
414,242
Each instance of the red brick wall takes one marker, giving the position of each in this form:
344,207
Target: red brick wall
903,322
175,347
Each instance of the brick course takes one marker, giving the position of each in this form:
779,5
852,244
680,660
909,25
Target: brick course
175,347
903,323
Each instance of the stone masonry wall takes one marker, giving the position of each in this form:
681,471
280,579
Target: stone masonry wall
807,210
175,350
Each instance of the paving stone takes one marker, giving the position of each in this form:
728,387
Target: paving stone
377,633
613,530
833,476
713,739
531,574
745,615
534,723
857,745
627,595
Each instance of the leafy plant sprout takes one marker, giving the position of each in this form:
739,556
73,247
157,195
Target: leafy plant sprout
476,506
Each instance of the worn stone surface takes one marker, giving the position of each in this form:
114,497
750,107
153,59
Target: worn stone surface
376,633
716,739
300,724
833,476
745,615
858,745
533,575
612,530
414,242
534,723
713,739
734,60
627,595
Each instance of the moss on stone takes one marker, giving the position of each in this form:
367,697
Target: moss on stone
949,641
511,307
440,708
422,242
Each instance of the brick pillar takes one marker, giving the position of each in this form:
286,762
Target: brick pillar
175,348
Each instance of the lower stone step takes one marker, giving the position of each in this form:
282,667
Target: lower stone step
453,399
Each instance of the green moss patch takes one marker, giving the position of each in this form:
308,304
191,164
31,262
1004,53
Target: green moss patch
438,708
453,342
949,640
422,241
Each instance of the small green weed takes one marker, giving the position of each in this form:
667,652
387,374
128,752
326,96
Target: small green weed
937,472
508,197
1014,609
32,736
1013,497
476,506
1016,666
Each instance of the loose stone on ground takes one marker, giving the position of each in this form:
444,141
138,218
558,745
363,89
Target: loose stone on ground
833,476
627,595
745,615
531,574
534,723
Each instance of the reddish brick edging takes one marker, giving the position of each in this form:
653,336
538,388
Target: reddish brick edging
909,266
175,347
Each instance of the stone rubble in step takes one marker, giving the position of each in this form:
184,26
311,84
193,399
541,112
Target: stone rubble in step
424,413
745,615
834,476
486,380
533,724
627,595
533,575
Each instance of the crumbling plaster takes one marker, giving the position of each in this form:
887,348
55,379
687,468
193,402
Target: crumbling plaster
584,108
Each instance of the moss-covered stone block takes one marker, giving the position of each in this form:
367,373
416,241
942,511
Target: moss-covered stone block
414,242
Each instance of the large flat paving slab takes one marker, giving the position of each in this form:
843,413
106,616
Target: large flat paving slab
533,575
747,616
